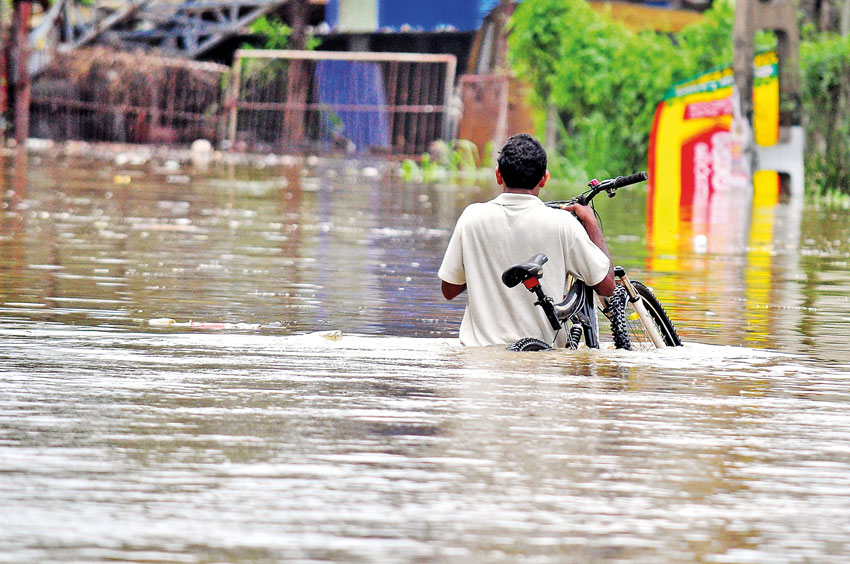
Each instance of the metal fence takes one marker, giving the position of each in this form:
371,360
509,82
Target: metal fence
101,95
389,102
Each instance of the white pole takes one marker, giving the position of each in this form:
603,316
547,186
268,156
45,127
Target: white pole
845,19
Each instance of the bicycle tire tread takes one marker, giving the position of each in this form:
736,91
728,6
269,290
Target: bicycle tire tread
530,344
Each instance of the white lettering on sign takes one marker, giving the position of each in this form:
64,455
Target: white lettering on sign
714,108
721,160
702,171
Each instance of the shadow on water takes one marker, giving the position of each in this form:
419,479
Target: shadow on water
171,388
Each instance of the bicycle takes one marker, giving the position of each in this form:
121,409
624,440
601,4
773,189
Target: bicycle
634,312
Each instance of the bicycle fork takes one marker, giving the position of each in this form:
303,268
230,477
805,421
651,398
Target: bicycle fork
637,303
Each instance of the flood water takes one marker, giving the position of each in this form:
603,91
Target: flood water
247,364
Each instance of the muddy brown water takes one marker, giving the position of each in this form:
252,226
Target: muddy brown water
170,391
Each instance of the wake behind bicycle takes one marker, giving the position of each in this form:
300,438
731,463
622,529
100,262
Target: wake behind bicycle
635,314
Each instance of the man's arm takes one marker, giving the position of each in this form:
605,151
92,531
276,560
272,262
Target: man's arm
451,291
587,218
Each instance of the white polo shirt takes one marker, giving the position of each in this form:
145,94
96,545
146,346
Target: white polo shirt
490,237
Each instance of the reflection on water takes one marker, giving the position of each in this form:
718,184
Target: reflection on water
255,438
346,246
292,248
738,271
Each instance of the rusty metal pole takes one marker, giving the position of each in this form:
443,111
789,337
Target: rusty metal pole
21,81
4,73
297,83
298,23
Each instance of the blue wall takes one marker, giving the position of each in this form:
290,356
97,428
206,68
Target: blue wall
332,12
465,15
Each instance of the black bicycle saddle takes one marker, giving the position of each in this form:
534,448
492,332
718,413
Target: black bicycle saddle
532,268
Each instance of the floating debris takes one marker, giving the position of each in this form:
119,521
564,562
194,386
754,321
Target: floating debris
334,335
207,325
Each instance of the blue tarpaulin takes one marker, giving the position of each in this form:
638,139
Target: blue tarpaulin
350,83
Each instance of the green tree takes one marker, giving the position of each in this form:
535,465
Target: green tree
825,69
606,80
275,34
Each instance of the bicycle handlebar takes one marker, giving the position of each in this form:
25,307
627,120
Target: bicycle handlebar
610,186
621,181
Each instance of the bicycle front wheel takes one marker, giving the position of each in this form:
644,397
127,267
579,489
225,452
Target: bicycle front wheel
530,344
626,326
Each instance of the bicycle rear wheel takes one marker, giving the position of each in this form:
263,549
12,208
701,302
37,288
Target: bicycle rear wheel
626,327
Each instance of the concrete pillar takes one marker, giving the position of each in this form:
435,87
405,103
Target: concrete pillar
780,17
743,37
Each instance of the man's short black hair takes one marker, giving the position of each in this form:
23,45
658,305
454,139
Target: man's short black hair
522,162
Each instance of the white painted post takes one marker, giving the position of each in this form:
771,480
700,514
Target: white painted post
236,79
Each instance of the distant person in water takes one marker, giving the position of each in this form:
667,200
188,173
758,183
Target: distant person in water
491,236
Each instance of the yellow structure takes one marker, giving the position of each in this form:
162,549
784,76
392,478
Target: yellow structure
641,17
693,150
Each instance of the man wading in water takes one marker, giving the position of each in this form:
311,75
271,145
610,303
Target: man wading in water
491,236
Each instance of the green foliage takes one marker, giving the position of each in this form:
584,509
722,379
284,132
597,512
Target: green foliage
595,72
605,80
829,198
5,13
708,43
825,96
426,171
454,161
488,156
274,33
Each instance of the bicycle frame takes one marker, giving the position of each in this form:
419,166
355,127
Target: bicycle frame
577,308
576,312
